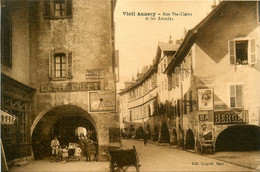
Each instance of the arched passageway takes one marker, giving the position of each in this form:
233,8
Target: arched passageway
190,142
62,122
165,136
148,132
239,138
174,136
139,133
155,135
131,132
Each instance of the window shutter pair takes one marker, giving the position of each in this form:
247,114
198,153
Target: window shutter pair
69,65
252,58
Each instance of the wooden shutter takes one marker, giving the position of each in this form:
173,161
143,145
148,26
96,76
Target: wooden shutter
47,8
50,65
239,100
232,53
6,40
252,56
177,80
173,80
69,8
69,72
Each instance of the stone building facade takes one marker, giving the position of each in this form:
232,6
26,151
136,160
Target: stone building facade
210,84
65,58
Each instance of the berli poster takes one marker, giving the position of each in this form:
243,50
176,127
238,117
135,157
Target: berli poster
127,85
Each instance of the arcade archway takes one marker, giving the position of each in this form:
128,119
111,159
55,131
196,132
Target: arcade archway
239,138
148,132
139,133
174,137
62,122
165,136
190,142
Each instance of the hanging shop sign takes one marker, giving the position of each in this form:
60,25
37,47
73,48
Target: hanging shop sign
94,74
205,99
69,87
230,117
102,101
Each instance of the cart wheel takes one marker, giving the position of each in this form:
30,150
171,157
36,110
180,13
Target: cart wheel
112,168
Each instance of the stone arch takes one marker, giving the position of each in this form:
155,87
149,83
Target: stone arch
190,141
155,135
139,133
148,131
40,116
174,137
239,138
165,136
61,121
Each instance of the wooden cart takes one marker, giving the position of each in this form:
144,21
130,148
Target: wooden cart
123,158
207,144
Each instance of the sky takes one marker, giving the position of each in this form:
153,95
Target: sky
137,38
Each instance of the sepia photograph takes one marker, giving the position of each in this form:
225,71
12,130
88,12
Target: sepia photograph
130,85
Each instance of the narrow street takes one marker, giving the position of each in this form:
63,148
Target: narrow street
152,158
161,158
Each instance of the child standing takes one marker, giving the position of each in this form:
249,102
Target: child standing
77,153
65,154
60,153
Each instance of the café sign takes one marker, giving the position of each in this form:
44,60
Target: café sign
230,117
102,101
69,87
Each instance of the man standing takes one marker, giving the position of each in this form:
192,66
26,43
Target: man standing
55,145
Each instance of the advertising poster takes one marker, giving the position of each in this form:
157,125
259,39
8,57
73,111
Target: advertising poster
205,99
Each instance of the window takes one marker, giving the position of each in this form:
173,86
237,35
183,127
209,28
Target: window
169,82
185,104
60,65
6,36
59,8
177,77
242,52
56,9
165,65
166,83
236,92
190,102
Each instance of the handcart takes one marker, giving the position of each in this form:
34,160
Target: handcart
207,144
123,158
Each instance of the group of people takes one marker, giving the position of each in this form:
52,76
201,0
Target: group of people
62,153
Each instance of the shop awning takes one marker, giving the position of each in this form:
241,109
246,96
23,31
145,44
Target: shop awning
7,118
